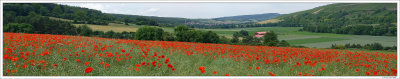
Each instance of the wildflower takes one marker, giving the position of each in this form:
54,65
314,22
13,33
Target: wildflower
215,72
270,73
226,74
88,70
86,63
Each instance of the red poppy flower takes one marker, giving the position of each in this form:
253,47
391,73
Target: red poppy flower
170,66
137,69
173,69
270,73
86,63
106,65
14,59
144,63
137,65
122,50
166,61
77,60
226,74
215,72
89,69
257,68
368,73
55,65
201,68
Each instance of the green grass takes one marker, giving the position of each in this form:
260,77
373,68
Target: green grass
309,39
314,40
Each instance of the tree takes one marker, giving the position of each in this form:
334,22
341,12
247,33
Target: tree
145,21
283,43
272,43
127,20
248,39
18,28
271,39
85,30
109,34
181,33
80,15
236,34
168,36
57,11
235,39
376,46
210,37
149,33
43,11
244,33
224,40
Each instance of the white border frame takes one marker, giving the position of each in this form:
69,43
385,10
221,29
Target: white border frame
201,77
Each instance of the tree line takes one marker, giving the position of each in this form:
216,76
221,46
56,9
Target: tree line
372,46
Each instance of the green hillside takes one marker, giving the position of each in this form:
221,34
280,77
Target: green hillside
250,18
346,18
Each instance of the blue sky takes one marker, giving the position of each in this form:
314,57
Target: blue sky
197,10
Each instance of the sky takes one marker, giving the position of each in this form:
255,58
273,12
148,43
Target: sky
197,10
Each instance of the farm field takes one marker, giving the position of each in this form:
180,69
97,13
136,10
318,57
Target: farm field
313,40
62,55
290,34
112,26
120,27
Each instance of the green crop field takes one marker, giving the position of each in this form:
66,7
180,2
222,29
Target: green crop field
309,39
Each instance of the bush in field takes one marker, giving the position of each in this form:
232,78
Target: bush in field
180,33
84,30
184,34
271,39
210,37
283,43
235,39
18,28
243,33
149,33
168,36
224,40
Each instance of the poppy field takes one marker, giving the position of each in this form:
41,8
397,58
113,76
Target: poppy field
63,55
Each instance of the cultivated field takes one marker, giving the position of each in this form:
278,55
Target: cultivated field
290,34
309,39
60,55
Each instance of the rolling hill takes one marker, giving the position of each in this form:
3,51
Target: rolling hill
345,18
251,18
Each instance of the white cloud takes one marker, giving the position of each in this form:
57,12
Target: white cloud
148,11
93,6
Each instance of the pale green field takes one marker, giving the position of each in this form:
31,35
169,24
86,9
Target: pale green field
309,39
